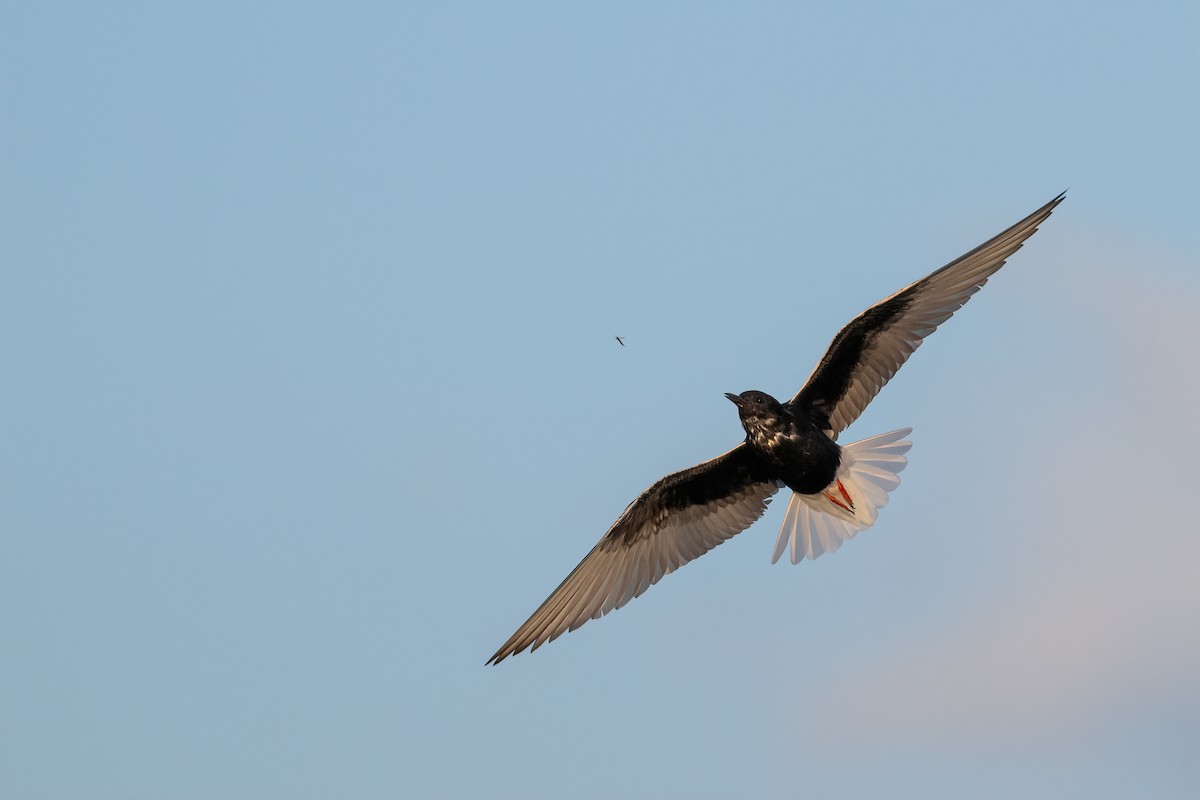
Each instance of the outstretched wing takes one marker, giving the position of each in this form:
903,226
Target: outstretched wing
679,518
865,354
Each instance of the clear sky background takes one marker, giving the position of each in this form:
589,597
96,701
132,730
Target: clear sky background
309,395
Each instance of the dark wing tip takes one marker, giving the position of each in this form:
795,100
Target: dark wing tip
1053,204
504,652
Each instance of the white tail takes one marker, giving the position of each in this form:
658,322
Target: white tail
815,524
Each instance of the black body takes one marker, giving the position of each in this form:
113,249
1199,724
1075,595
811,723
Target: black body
793,448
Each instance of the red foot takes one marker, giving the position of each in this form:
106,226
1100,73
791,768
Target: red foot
848,505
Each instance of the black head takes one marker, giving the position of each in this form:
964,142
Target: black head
754,404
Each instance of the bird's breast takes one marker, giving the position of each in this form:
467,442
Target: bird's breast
806,460
772,439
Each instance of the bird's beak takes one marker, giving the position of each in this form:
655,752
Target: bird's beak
733,398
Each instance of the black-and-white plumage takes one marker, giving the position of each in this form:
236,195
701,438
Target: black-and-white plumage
837,490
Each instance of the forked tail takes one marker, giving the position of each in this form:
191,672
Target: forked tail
818,523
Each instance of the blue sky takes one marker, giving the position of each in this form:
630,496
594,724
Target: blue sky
310,395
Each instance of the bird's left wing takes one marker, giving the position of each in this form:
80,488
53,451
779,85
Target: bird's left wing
866,353
679,518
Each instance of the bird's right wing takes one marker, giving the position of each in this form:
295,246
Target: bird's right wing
679,518
866,353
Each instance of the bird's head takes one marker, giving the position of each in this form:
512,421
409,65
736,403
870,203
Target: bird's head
758,407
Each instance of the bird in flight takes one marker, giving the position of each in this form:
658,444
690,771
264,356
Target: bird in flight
837,490
620,340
